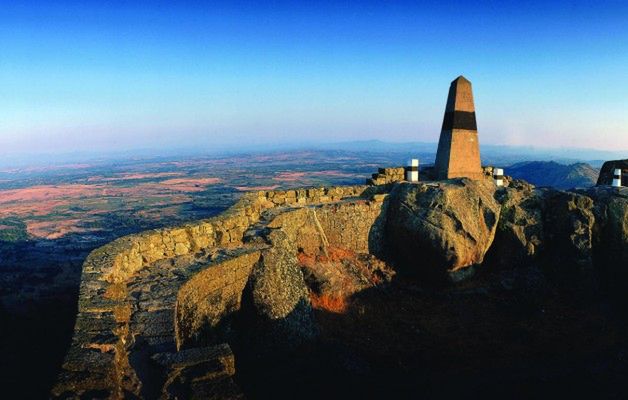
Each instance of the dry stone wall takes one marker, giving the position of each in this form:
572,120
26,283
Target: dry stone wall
356,226
387,175
97,363
215,293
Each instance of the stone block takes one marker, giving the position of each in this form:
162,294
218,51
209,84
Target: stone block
379,197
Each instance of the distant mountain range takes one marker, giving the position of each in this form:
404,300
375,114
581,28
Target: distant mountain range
550,173
491,154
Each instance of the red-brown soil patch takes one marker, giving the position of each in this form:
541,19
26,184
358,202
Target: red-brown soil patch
51,192
54,229
43,200
338,273
47,192
334,304
32,208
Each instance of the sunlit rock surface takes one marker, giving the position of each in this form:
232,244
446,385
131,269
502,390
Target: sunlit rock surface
437,230
321,275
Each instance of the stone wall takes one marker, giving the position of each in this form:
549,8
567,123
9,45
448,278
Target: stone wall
120,259
387,175
123,257
150,297
97,363
206,301
307,196
355,226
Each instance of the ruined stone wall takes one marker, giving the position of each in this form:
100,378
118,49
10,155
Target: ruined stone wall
299,197
127,255
356,226
120,259
387,175
144,297
97,362
206,301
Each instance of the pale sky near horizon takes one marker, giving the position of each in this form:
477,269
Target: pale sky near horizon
110,75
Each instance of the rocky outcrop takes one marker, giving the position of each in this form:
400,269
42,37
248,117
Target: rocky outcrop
519,235
277,314
199,373
357,226
569,223
611,236
159,312
437,230
568,233
206,302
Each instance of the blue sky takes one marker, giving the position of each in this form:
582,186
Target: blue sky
102,76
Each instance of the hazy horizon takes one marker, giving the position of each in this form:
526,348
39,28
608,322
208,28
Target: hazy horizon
416,149
95,77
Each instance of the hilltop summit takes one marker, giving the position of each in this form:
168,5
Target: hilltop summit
229,306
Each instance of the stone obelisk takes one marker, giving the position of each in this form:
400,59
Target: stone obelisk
458,152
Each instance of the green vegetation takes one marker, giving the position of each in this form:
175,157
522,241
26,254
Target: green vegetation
12,230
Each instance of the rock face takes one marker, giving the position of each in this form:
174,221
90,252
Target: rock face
519,234
207,301
201,373
159,312
567,233
569,223
611,236
439,230
334,277
276,301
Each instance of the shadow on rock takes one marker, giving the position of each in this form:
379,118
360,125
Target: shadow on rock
505,334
